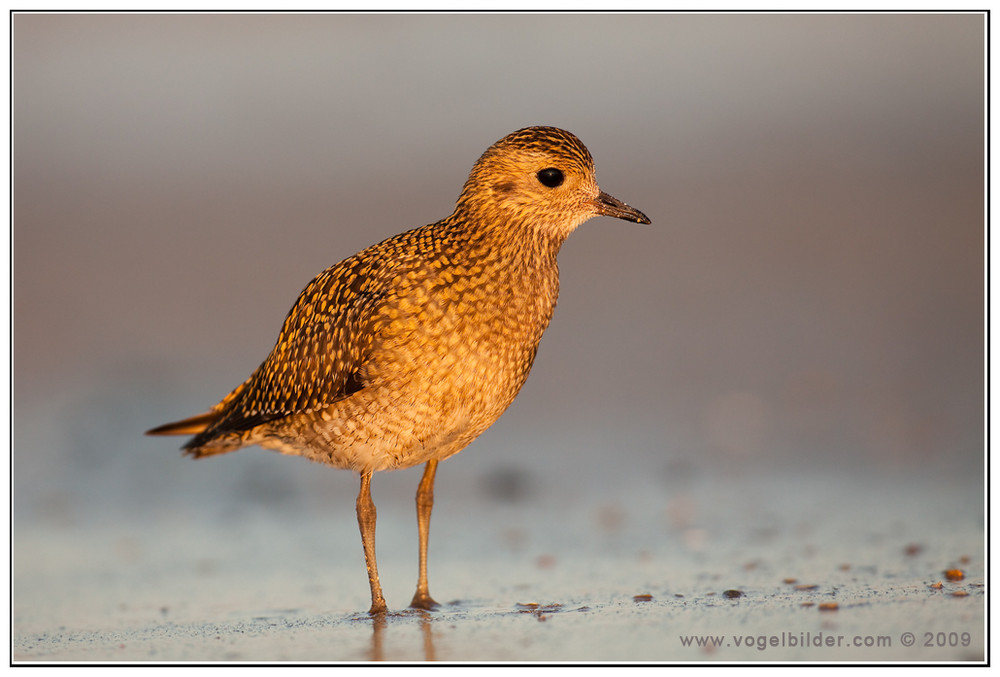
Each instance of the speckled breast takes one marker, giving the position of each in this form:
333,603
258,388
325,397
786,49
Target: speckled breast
453,347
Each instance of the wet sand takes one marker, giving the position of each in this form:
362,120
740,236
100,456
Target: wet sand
749,567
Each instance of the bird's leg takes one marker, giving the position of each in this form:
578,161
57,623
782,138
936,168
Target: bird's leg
366,520
425,501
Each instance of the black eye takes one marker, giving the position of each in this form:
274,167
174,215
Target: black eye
551,177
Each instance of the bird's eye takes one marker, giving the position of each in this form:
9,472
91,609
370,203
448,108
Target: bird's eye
551,177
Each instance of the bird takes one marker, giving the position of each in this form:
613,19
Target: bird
406,352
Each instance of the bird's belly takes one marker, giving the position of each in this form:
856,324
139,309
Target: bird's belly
423,400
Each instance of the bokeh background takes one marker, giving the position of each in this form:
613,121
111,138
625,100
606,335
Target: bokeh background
810,295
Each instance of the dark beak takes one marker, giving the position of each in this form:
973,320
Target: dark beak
611,206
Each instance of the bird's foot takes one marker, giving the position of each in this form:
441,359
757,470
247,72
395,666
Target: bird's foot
422,600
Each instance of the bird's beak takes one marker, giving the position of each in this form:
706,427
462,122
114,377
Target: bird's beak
605,205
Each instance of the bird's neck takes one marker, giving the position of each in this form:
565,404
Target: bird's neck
523,245
519,256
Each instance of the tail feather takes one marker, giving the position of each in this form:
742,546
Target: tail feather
189,426
200,445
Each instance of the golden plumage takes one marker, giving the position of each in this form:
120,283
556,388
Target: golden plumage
407,351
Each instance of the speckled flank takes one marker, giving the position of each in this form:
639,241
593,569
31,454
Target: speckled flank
406,352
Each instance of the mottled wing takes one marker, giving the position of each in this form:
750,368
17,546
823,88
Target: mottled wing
323,344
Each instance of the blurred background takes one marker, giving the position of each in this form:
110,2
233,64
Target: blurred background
809,297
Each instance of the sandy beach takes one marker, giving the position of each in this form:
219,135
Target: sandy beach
722,570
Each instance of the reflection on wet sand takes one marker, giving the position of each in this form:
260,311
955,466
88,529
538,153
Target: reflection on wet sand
380,623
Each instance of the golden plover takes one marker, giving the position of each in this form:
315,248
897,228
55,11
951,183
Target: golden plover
406,352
